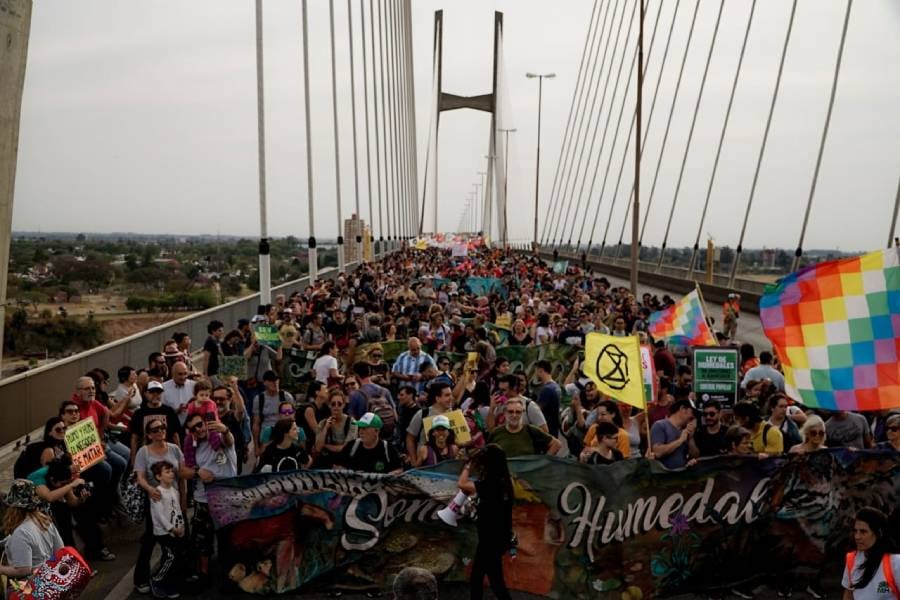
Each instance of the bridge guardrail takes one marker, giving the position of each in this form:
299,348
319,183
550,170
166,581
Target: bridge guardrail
28,399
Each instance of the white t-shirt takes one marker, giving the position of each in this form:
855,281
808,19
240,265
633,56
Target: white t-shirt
323,366
166,513
878,588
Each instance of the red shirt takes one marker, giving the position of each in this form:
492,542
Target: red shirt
93,409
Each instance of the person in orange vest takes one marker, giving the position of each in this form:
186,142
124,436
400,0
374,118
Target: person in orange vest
871,570
731,312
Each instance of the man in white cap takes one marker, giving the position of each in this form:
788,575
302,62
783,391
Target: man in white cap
369,453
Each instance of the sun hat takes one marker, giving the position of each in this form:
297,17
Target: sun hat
23,494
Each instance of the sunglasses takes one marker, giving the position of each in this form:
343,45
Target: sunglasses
196,426
514,412
59,430
337,405
286,411
815,433
157,429
894,428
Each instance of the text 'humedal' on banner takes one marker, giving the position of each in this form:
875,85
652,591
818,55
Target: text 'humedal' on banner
614,365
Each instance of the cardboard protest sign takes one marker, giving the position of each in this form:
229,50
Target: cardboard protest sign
457,424
84,444
648,368
268,335
232,366
716,375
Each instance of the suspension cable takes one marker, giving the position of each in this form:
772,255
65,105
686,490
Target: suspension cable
687,147
892,229
376,127
662,148
634,57
384,130
337,143
593,134
616,136
569,119
565,206
812,190
712,178
313,261
612,207
762,148
353,114
362,16
578,119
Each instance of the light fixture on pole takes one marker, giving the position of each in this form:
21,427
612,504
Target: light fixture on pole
505,233
537,170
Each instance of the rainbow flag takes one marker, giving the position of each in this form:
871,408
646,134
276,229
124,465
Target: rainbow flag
836,328
683,323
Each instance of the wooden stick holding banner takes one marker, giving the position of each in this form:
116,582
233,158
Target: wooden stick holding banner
646,400
703,307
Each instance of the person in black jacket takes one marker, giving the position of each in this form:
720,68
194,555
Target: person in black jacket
495,502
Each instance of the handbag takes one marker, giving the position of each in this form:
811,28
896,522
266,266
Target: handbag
133,499
63,576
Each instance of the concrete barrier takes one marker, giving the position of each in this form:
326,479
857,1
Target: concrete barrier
27,400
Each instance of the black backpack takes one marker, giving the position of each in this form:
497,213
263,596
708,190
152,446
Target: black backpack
29,460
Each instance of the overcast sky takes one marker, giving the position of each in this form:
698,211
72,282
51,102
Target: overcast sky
141,116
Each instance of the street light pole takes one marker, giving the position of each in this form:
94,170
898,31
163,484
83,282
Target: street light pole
506,133
537,170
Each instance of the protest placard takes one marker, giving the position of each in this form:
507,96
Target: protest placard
84,444
457,424
716,375
232,366
648,369
267,335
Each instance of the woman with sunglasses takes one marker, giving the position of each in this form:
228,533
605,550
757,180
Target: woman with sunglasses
154,450
813,434
333,432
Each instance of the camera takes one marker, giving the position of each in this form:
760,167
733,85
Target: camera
87,486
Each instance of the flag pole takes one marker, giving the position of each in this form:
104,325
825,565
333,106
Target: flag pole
646,400
703,309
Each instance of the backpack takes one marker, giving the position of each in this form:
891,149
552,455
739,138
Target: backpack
300,419
29,460
381,406
384,445
885,567
261,399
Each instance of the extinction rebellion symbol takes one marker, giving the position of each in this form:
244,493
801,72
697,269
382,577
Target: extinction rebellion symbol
615,374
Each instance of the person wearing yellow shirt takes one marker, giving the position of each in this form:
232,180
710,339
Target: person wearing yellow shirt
765,438
606,412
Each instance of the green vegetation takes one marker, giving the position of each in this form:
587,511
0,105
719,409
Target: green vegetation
52,335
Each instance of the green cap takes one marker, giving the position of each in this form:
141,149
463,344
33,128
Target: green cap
370,420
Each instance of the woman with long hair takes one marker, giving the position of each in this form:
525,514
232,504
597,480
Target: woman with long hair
33,536
333,432
440,445
284,453
871,571
519,335
495,502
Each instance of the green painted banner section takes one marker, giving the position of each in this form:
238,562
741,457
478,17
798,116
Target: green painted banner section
627,531
716,375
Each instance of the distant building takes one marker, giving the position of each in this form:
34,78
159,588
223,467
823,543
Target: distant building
354,226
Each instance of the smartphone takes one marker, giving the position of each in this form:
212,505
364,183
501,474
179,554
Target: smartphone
210,417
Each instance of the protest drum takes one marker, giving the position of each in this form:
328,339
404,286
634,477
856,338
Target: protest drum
61,577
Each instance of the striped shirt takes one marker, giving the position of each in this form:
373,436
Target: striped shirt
407,364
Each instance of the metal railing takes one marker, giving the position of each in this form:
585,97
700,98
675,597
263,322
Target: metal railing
28,399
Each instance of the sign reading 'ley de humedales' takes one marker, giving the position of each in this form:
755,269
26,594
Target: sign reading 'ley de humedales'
716,375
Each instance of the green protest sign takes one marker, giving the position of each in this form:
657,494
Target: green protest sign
716,375
84,444
232,366
295,367
267,335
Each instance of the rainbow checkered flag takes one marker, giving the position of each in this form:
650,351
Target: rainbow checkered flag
836,328
683,323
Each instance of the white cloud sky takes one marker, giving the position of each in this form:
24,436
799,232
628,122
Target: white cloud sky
142,117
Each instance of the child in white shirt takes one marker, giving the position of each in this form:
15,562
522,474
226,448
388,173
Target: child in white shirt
168,529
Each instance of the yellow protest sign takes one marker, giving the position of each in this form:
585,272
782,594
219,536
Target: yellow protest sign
614,365
457,424
84,444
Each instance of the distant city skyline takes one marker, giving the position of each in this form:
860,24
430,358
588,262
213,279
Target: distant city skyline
129,109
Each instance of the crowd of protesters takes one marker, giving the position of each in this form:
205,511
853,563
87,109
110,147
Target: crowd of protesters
177,424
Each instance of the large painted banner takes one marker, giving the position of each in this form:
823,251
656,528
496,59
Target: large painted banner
632,529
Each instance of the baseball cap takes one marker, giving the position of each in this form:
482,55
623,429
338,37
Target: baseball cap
154,386
258,319
440,421
369,420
